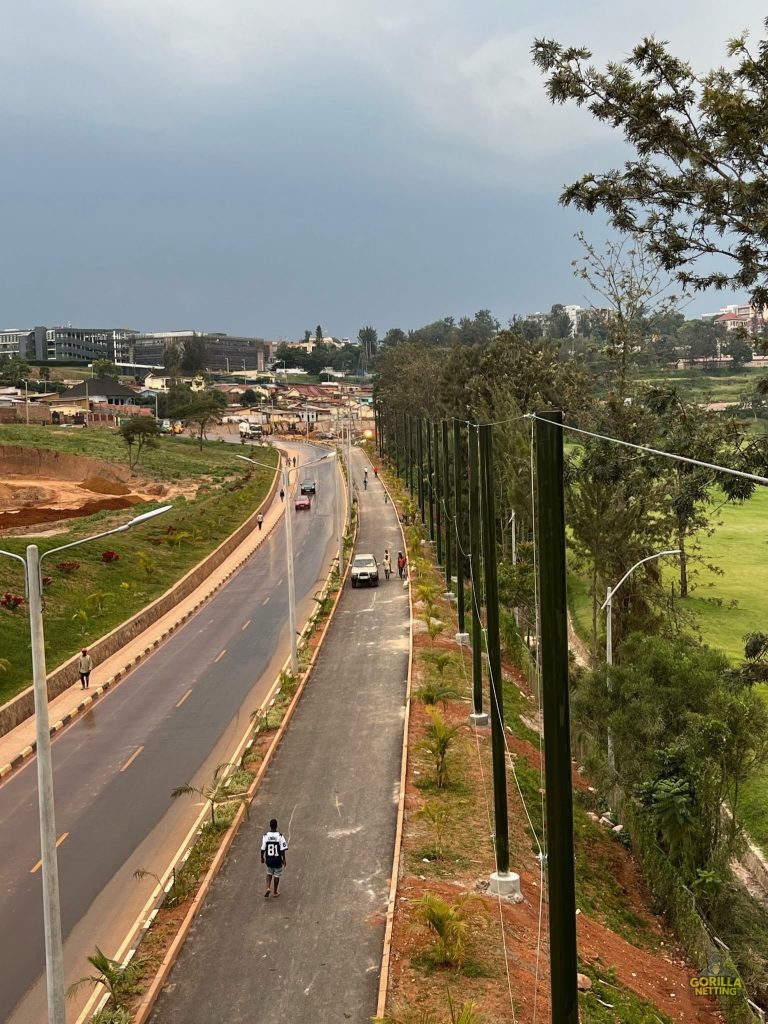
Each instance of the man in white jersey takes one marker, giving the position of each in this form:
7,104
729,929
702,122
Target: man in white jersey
273,847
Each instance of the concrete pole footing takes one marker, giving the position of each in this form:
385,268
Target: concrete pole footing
506,884
478,718
462,639
450,597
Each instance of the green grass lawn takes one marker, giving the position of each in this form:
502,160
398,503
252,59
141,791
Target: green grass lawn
85,603
724,385
726,608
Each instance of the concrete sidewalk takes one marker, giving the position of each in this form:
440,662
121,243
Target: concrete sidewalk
62,708
314,955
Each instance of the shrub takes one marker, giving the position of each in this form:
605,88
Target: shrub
449,922
110,556
67,566
438,742
11,601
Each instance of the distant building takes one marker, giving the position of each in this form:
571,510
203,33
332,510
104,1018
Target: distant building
222,351
104,390
740,317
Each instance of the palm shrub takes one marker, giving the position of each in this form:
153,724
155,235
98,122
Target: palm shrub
434,627
450,923
219,793
118,979
437,815
437,744
441,662
434,692
466,1014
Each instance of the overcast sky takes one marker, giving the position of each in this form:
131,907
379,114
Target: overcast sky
262,166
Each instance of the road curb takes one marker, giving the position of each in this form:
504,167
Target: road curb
121,673
147,1002
386,954
143,1010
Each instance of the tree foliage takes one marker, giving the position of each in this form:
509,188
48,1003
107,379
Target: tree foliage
139,433
696,187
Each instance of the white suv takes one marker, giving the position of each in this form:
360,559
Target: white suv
365,570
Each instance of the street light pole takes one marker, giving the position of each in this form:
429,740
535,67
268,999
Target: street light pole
608,607
54,954
285,480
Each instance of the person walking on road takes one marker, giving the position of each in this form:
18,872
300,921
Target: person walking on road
294,462
273,847
400,564
365,480
387,564
260,521
376,472
282,494
84,666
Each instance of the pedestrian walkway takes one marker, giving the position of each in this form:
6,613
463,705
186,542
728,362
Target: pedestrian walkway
68,703
313,955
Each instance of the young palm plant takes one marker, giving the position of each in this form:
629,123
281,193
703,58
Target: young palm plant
437,815
437,743
218,793
434,692
117,979
450,923
443,663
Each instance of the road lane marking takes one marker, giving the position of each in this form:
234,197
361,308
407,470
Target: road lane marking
245,625
219,656
181,701
59,841
280,582
132,758
265,601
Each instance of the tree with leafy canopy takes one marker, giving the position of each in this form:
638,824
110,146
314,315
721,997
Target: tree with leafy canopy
696,187
139,433
394,336
318,335
203,408
368,338
559,325
172,358
104,368
194,355
249,397
44,372
738,346
13,368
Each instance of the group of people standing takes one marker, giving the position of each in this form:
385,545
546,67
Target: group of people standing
386,563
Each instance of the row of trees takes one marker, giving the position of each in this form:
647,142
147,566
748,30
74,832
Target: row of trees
687,727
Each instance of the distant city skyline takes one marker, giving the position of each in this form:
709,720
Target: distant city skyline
260,169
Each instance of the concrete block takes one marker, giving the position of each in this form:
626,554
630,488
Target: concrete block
506,884
479,718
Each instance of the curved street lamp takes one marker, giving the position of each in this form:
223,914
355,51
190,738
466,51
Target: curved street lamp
54,954
608,604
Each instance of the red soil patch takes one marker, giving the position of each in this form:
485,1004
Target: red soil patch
659,974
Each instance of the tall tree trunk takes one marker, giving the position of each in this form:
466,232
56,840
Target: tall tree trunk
683,561
594,616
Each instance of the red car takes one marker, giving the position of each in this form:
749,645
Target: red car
303,503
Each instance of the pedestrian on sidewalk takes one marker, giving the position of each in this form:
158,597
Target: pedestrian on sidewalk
376,472
282,494
273,847
400,564
84,666
387,563
260,521
294,462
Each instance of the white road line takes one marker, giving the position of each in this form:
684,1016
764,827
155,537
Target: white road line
132,758
265,601
219,656
180,702
245,625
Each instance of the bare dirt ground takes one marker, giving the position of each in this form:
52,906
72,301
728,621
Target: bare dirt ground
508,943
38,491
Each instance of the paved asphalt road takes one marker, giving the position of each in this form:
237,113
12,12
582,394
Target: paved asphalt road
313,955
173,710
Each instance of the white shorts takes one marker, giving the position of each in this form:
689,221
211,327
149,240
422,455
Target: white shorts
275,872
